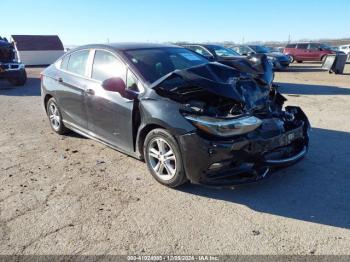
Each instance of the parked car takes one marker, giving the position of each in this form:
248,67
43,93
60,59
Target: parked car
10,69
214,52
307,52
345,49
188,118
279,60
275,49
228,57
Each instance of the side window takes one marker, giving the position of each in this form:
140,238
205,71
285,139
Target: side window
64,62
201,51
314,46
106,66
77,62
290,46
302,46
131,82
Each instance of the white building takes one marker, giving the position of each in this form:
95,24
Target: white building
38,49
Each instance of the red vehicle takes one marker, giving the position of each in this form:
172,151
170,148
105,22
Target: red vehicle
307,52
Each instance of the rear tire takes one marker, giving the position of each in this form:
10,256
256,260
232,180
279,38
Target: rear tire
163,158
20,80
55,117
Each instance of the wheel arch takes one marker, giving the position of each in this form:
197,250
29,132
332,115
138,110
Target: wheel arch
46,99
143,132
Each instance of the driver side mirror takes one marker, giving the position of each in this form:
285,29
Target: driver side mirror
115,84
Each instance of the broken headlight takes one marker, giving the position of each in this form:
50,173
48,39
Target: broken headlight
225,127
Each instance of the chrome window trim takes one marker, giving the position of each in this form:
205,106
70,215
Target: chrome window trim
74,74
89,67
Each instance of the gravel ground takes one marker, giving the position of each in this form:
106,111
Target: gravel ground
71,195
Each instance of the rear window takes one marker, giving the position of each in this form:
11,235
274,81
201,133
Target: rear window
291,46
302,46
77,62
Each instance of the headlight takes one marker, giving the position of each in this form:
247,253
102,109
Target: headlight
21,66
225,127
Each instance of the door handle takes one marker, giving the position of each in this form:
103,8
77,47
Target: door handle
60,80
89,91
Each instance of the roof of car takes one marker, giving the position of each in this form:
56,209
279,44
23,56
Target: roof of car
128,46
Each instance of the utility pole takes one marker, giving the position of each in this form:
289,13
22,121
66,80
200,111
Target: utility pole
288,38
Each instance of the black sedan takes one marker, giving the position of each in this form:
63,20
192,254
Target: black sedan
188,118
279,60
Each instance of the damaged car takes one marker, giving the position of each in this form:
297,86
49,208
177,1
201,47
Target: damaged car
188,118
10,69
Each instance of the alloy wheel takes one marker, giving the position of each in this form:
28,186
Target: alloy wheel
54,117
162,159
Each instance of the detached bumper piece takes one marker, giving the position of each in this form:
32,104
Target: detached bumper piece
243,159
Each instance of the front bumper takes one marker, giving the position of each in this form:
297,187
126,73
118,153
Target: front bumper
11,70
241,160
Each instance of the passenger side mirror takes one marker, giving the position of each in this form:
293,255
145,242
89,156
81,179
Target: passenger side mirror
115,84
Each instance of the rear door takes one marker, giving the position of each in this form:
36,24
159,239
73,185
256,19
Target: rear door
301,52
72,81
109,114
313,52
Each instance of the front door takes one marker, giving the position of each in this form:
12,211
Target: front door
109,114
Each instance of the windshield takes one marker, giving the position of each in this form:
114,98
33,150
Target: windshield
260,49
154,63
223,51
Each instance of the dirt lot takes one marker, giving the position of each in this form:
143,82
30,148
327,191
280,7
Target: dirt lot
71,195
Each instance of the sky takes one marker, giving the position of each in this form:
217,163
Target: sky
91,21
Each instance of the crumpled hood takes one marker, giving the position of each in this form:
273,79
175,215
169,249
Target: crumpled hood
212,79
6,52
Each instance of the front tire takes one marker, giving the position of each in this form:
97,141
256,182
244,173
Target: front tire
55,117
163,158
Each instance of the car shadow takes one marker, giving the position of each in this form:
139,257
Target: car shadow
303,89
314,190
31,88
